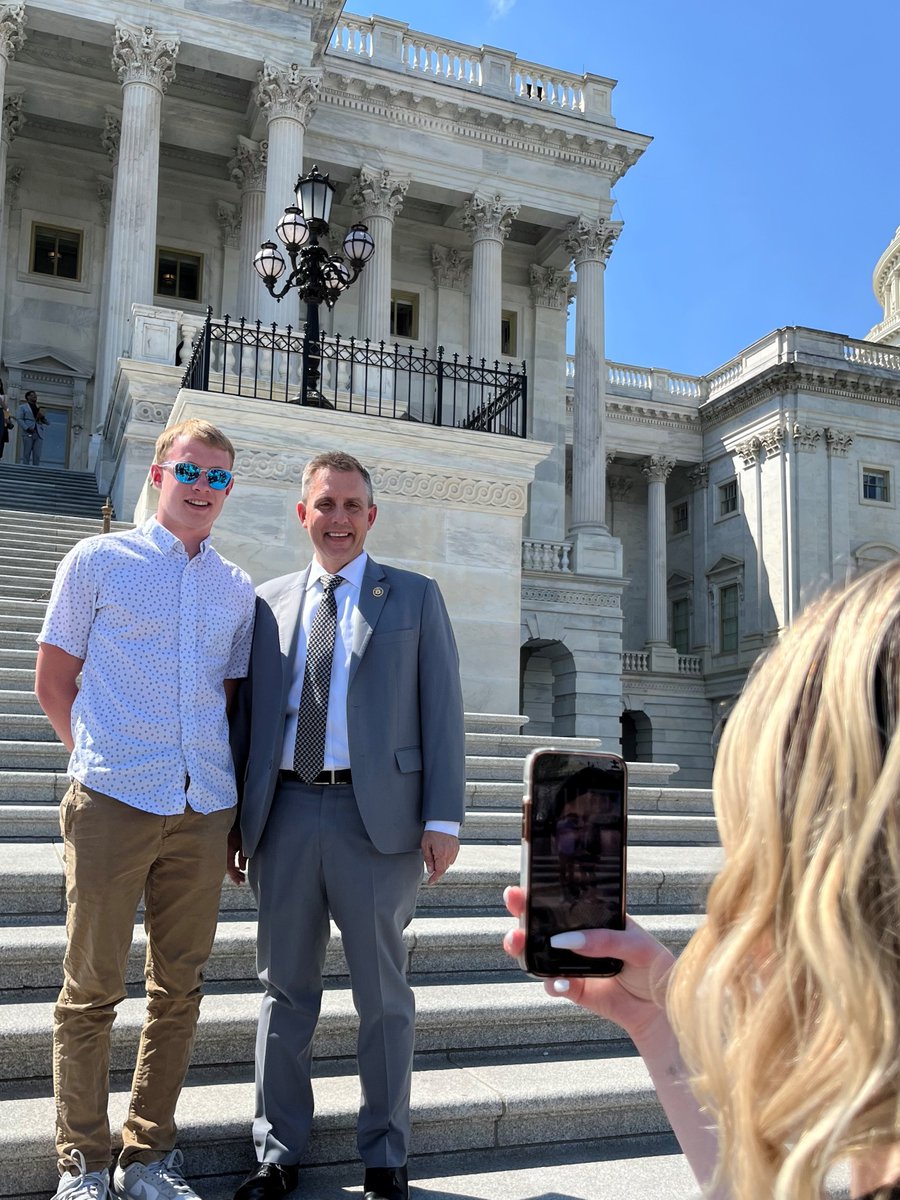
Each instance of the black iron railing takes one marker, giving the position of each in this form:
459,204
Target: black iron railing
241,358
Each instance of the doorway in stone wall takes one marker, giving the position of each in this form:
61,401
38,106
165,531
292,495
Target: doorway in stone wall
637,736
547,688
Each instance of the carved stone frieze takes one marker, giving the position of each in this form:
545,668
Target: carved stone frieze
489,217
805,436
13,117
591,239
657,468
378,193
151,411
563,596
142,54
12,28
248,167
749,451
269,465
459,489
549,286
837,442
228,217
772,440
288,90
450,268
699,477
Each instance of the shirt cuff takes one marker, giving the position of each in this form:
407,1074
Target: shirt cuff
451,827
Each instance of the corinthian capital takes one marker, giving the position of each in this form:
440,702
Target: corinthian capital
450,268
248,167
283,90
489,217
13,117
143,55
12,28
591,239
657,468
378,193
549,287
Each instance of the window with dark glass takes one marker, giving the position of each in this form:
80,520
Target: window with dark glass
728,619
681,625
876,485
405,315
509,337
679,517
728,498
56,252
178,275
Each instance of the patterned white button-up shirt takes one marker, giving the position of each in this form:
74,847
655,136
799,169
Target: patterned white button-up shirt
159,633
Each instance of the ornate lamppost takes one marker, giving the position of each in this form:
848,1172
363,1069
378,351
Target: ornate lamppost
317,276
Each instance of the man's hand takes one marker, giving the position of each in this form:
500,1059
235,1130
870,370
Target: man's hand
439,851
236,861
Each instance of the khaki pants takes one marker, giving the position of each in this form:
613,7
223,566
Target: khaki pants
114,854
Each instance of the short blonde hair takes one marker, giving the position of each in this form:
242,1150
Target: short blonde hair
193,427
335,460
786,1003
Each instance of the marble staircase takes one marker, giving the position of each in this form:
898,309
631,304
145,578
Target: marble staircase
515,1094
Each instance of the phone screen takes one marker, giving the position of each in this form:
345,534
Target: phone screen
574,856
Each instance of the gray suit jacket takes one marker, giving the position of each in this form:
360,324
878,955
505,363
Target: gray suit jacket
404,707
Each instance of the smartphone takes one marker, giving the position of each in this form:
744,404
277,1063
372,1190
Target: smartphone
573,856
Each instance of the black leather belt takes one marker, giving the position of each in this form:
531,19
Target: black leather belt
324,778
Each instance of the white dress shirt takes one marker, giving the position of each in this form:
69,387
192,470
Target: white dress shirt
346,595
159,633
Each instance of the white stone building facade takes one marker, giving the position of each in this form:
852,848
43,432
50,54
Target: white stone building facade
612,574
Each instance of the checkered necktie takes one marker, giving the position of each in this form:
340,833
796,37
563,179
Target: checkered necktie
309,748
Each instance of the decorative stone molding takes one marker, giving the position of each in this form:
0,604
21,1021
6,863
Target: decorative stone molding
489,217
228,217
619,486
378,193
150,412
13,179
772,440
13,117
104,197
287,90
549,286
805,437
450,268
699,477
457,489
141,54
248,167
111,133
269,466
563,596
837,442
591,239
611,457
657,468
749,451
12,28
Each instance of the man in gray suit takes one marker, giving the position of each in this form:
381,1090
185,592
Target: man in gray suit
350,758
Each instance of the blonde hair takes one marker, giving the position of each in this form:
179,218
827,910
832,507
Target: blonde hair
193,427
335,460
786,1003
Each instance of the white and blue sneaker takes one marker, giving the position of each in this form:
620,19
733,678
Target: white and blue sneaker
160,1180
83,1184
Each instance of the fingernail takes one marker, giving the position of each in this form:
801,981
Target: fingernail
561,986
505,894
573,940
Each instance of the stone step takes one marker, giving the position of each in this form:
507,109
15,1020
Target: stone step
491,795
17,755
23,570
21,628
475,1105
660,879
36,558
31,955
480,767
13,520
27,591
29,728
18,701
18,678
513,745
20,655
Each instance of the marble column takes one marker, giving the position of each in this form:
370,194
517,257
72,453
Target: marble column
144,60
228,218
109,139
287,95
590,241
657,470
248,171
377,197
12,36
550,291
488,219
12,121
698,478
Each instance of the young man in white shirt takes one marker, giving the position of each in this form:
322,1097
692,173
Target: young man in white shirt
159,626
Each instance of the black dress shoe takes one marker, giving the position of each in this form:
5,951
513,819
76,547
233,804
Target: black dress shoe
385,1183
270,1181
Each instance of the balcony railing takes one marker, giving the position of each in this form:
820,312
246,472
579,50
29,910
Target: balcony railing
554,557
637,662
240,358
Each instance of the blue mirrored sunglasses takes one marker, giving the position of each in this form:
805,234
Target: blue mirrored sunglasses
188,472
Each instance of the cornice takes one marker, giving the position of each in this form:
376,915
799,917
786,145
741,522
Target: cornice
461,117
661,418
578,597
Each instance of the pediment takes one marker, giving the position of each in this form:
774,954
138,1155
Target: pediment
45,363
725,565
679,579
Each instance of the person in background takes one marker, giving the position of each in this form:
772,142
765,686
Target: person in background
31,422
159,627
773,1041
6,421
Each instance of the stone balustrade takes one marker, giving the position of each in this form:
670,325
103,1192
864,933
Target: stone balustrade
393,45
554,557
637,662
690,664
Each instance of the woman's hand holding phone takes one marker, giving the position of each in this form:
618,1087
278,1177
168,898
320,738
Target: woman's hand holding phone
634,998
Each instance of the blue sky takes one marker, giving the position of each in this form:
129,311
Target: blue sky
772,185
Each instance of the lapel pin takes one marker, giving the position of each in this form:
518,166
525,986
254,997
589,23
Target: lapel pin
377,591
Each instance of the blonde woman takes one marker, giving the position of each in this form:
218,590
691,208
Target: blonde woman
774,1042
